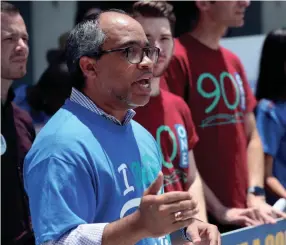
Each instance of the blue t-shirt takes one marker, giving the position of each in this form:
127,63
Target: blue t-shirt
83,168
271,124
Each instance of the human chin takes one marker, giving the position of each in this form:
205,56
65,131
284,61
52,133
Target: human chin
158,69
18,73
139,101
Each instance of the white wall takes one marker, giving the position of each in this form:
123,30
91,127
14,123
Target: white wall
49,20
248,50
273,15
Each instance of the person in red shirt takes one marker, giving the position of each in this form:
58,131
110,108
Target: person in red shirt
167,117
212,81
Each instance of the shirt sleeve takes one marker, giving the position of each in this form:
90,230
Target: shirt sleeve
86,234
248,96
61,196
269,127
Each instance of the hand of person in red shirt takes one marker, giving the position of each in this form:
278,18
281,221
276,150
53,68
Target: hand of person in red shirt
265,212
239,216
202,233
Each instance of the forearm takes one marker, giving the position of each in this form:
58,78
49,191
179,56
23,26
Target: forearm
214,206
124,231
255,159
196,190
275,186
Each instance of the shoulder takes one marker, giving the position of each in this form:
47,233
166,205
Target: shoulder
66,140
140,131
23,121
266,105
232,57
174,100
179,49
22,115
266,110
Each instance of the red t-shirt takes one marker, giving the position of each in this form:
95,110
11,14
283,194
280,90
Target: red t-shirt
214,85
168,119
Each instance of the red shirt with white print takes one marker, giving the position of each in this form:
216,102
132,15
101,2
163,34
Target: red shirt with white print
168,118
214,85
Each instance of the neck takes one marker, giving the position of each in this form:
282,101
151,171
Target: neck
99,100
5,85
155,86
209,33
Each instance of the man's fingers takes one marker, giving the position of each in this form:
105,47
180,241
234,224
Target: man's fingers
246,221
185,215
193,233
180,206
174,196
214,240
254,214
219,238
268,219
279,214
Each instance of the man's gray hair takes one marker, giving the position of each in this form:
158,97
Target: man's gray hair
86,39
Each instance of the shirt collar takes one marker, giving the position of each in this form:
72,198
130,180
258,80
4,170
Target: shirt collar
79,98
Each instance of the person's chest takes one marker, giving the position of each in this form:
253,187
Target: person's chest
167,126
217,95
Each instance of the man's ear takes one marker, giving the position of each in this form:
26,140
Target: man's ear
88,66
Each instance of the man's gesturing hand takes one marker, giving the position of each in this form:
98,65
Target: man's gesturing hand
163,214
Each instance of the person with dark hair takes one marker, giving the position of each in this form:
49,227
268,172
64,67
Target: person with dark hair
271,112
211,79
45,98
101,171
17,132
168,118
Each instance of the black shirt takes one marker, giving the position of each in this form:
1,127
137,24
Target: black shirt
17,135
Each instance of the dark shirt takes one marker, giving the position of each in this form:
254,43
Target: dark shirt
17,135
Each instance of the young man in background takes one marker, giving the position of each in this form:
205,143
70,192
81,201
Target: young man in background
212,81
168,118
17,132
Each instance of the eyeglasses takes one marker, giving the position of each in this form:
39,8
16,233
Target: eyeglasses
135,54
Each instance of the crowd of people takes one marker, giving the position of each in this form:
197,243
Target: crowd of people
132,136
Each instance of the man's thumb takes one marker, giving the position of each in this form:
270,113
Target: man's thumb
193,234
155,187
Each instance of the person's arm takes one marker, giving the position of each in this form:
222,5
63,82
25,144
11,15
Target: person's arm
196,188
271,131
256,172
254,157
271,181
228,215
124,231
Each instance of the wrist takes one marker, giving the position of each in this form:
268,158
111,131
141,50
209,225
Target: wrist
137,226
219,212
253,199
127,230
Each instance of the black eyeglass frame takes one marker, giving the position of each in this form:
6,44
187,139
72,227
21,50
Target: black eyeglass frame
126,51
